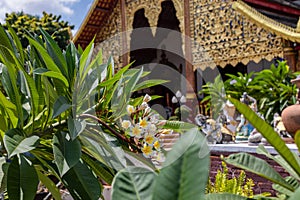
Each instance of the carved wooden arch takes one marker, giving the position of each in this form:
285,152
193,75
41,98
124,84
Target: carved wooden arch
152,11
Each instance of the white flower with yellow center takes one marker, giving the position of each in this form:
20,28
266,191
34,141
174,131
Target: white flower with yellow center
126,124
147,151
156,145
154,118
143,123
136,131
147,98
151,128
130,109
149,139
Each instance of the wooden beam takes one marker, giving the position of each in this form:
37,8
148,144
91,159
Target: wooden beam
125,56
101,9
92,26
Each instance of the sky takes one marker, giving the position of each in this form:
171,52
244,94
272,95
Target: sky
72,11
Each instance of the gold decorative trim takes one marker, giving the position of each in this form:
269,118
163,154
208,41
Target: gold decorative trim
271,25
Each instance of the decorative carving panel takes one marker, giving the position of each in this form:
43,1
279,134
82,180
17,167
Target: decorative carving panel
109,38
223,36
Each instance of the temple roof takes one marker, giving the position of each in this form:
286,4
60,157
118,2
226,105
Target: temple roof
288,32
285,12
97,15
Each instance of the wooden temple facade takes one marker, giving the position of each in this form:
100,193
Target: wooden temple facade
223,35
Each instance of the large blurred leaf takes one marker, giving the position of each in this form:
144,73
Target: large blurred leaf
262,150
22,179
133,183
67,152
296,195
268,132
225,196
185,172
257,166
16,142
81,183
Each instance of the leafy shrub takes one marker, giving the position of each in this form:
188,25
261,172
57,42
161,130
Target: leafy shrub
272,88
224,183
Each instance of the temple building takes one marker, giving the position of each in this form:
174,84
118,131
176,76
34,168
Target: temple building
197,39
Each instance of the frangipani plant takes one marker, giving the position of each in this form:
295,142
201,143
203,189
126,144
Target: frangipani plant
58,112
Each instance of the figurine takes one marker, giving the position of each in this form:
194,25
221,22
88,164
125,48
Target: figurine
244,128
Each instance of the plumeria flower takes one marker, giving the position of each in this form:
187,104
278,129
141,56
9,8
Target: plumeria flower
143,123
126,124
147,98
130,109
143,106
147,151
136,131
149,139
151,128
154,118
147,110
156,145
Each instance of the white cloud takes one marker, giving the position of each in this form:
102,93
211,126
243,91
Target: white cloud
36,7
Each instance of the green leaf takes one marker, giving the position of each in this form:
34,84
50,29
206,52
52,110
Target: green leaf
51,66
86,57
50,185
268,132
16,142
66,152
297,140
61,105
104,148
81,183
225,196
257,166
296,195
22,179
148,84
133,183
262,150
3,174
178,126
55,53
10,110
75,127
99,169
185,172
53,74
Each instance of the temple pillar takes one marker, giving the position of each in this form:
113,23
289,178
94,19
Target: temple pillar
290,55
